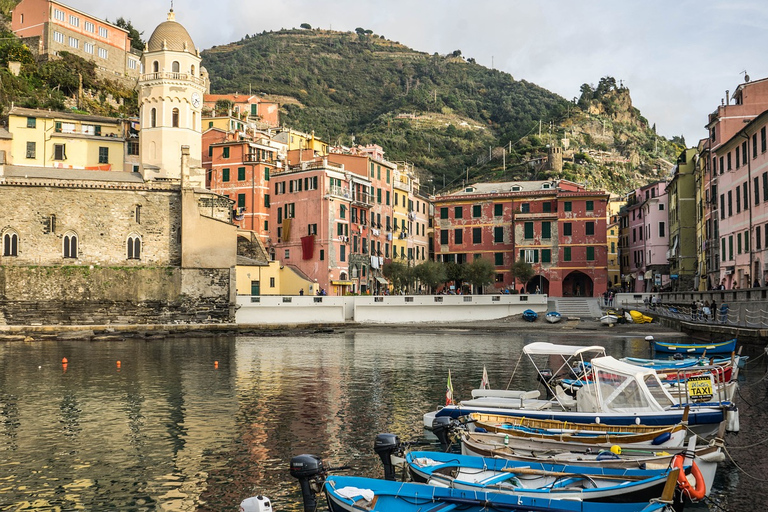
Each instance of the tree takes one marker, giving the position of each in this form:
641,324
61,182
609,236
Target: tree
223,107
481,272
136,41
397,273
306,26
430,273
522,271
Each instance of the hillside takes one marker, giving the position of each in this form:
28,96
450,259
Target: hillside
441,112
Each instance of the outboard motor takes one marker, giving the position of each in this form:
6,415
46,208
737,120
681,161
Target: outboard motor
310,472
385,446
256,504
441,427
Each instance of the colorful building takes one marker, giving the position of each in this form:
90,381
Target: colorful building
647,240
49,27
615,203
558,227
681,197
249,108
64,140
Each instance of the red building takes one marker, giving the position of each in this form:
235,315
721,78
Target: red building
558,227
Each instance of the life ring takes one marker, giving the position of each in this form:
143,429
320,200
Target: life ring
696,492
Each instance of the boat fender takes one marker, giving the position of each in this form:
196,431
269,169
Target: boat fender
732,417
661,439
607,456
480,430
616,449
696,491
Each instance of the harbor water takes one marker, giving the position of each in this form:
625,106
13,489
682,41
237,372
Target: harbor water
202,423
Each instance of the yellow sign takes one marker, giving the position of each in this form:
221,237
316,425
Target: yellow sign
700,387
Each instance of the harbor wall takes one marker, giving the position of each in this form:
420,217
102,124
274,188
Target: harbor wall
386,309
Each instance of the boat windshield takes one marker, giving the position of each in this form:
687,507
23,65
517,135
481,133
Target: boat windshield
623,387
658,392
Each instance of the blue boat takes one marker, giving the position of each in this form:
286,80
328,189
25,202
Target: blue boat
359,494
694,348
543,480
530,315
672,364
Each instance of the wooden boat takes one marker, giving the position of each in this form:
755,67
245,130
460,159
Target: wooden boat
587,484
552,434
530,315
553,317
359,494
666,364
492,445
609,319
694,348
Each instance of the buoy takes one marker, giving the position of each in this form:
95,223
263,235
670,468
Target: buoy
64,360
215,364
616,449
649,338
118,364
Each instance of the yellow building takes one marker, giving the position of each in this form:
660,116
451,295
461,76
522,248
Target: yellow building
401,190
294,140
66,140
225,123
410,211
612,239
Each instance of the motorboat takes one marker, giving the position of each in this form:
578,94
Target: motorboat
694,348
553,317
530,315
614,393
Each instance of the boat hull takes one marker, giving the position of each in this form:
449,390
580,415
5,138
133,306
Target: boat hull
695,348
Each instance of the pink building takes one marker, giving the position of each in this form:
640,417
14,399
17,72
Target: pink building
645,247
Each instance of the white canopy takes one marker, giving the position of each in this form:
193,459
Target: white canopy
611,364
541,348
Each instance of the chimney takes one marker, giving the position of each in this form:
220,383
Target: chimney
727,97
184,166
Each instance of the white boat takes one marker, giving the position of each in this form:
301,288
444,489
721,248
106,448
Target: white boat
553,317
609,319
615,393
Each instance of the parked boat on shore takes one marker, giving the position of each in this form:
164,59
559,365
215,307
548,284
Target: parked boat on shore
553,317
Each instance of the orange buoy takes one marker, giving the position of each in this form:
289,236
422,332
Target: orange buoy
215,364
64,360
118,364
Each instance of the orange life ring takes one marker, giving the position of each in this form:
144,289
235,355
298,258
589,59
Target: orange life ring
696,492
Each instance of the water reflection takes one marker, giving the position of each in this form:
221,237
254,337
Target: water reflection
200,424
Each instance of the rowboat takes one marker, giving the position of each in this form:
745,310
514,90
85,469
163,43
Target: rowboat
530,315
587,484
694,348
542,434
609,319
360,494
617,394
707,456
553,317
665,364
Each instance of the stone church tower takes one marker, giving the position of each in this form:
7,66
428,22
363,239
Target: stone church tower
171,92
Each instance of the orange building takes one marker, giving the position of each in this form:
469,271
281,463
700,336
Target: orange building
249,108
49,27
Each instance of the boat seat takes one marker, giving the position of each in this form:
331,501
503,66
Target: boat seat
506,393
537,405
564,398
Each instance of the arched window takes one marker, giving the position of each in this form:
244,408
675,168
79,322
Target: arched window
70,245
175,66
155,67
10,244
153,117
192,70
134,247
175,118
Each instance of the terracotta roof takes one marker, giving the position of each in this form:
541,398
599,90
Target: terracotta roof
170,35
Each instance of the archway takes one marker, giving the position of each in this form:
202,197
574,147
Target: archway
578,284
538,284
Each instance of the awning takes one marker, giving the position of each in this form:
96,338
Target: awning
342,283
383,281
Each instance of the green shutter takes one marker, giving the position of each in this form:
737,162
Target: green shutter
444,213
566,254
590,254
266,174
476,210
499,259
529,230
241,200
546,230
535,256
546,256
590,206
567,206
241,174
498,209
225,174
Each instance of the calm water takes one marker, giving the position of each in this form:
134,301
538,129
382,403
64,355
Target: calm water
170,429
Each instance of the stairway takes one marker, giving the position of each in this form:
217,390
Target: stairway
582,307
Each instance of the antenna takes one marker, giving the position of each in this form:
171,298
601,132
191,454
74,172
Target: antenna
746,76
171,5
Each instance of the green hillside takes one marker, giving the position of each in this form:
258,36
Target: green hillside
442,113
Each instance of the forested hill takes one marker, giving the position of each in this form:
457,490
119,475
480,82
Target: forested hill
442,113
344,84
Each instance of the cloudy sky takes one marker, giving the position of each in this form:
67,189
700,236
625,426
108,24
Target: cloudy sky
677,58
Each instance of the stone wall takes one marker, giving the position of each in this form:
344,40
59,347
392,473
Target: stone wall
83,295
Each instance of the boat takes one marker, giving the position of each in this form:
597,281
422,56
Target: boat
609,319
637,317
553,317
707,456
587,484
665,364
359,494
694,348
617,393
542,434
530,315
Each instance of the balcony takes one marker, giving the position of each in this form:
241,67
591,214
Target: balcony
255,158
163,75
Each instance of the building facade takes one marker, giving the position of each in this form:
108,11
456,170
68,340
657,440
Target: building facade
646,244
681,194
50,27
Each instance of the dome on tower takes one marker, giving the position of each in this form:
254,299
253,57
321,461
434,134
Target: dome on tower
171,35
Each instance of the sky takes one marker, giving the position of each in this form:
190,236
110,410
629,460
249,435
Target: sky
677,57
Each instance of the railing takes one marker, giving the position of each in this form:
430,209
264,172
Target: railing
251,158
164,75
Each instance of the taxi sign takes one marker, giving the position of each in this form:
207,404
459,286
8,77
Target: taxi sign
700,387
